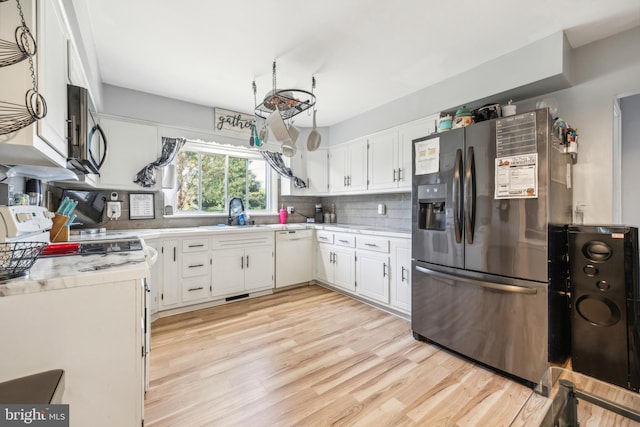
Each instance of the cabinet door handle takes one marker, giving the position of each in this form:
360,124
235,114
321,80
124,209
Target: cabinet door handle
196,246
247,261
344,181
322,238
402,278
349,180
343,241
195,289
394,175
384,269
373,245
242,262
174,254
196,265
400,174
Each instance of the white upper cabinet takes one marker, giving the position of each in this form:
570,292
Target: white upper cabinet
130,147
390,155
44,142
52,74
348,167
317,171
406,134
383,160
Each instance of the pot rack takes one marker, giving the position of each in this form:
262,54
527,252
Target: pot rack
287,102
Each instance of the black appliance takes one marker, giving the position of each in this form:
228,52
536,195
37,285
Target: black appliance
319,214
490,204
87,141
90,207
605,295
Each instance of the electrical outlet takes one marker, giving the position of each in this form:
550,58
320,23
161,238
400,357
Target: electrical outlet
290,210
113,210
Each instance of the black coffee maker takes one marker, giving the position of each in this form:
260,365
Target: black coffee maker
319,214
33,189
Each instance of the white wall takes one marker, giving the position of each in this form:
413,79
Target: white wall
600,72
630,107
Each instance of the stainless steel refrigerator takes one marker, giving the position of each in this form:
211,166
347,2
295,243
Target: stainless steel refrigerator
491,203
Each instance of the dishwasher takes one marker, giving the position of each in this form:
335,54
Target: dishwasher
294,257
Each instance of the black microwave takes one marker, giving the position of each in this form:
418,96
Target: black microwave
87,141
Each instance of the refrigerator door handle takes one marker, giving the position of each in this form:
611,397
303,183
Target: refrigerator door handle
470,195
482,284
457,196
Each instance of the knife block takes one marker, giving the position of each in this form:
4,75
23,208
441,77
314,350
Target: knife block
59,232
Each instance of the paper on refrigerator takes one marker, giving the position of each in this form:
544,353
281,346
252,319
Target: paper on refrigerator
427,156
516,177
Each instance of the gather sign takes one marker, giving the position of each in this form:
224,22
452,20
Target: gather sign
233,123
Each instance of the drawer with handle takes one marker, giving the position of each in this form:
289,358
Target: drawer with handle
345,239
196,288
196,264
195,245
372,243
323,236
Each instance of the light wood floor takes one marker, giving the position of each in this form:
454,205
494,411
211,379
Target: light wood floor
312,357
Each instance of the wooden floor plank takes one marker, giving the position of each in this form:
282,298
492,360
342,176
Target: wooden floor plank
309,356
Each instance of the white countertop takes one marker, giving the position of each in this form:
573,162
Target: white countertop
214,229
61,272
51,273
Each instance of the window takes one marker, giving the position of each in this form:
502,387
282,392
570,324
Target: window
209,175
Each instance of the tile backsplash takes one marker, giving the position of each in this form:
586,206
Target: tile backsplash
349,209
363,210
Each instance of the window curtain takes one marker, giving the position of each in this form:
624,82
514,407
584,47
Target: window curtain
277,163
170,147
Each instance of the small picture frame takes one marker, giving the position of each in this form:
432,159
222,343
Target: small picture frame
141,206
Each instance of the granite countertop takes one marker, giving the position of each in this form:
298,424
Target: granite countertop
62,272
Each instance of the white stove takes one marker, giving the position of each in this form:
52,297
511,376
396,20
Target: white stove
25,223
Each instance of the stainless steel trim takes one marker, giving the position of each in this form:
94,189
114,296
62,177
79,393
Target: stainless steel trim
480,283
470,195
457,195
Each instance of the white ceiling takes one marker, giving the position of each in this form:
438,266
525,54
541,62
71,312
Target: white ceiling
363,53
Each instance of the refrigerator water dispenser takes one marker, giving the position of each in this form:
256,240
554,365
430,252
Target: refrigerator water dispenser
431,207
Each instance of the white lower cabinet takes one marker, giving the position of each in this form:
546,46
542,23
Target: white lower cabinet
228,270
242,263
212,267
335,259
155,277
401,283
373,267
103,359
168,264
195,270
